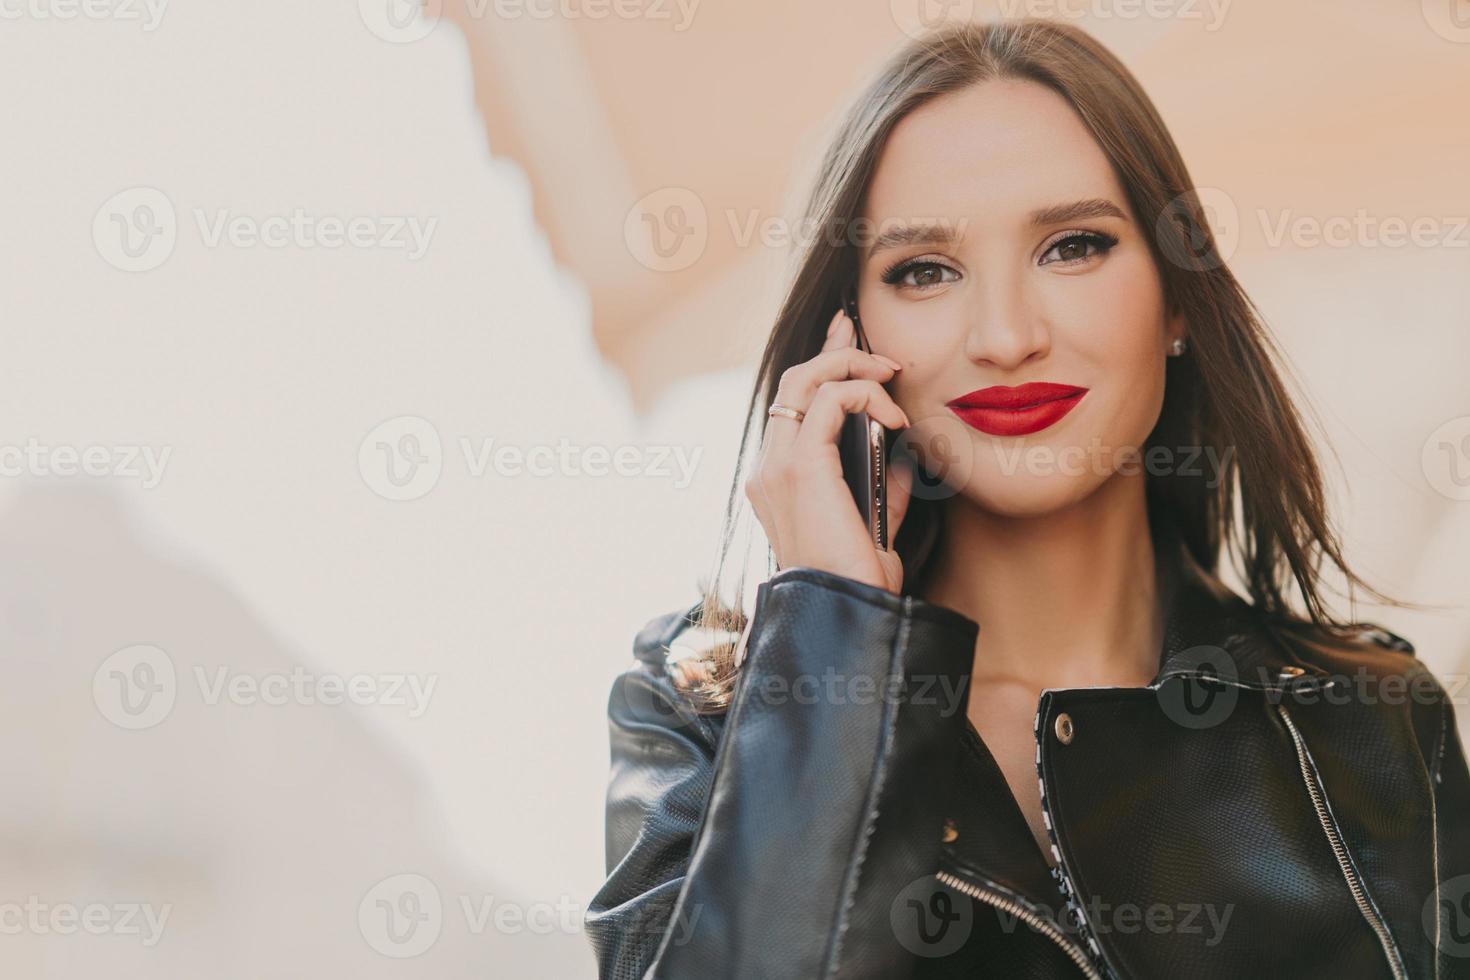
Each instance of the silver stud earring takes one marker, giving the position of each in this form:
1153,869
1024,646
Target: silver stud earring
1179,346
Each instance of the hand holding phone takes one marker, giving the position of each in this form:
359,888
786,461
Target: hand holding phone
799,487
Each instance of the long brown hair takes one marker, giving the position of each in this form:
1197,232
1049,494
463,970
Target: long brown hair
1225,392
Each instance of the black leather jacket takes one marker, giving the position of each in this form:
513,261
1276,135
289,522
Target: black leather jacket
1263,809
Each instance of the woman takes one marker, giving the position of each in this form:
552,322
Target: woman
1039,737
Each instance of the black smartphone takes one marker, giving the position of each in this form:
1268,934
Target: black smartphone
863,448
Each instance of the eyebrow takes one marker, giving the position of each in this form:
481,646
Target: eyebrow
945,233
1092,207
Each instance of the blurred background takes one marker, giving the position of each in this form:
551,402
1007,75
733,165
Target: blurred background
373,370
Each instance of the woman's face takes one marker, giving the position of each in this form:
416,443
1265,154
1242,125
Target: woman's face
1013,295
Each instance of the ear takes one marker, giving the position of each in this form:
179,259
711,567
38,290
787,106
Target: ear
1176,328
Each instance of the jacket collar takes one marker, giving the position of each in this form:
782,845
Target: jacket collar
1210,633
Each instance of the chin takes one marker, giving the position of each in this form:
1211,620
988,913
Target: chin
1017,495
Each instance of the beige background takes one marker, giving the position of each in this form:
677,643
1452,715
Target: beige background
536,145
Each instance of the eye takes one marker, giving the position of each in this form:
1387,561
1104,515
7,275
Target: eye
919,274
1073,248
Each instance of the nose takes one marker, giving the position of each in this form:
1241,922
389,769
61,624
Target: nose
1005,328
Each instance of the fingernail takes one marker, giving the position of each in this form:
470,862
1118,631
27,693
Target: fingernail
889,361
836,319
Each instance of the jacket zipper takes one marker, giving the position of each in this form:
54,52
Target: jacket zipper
1335,839
1012,907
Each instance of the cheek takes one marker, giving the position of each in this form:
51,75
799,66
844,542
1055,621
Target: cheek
1117,327
1135,399
927,361
1121,309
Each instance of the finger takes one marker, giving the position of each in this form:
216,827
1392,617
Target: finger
834,401
800,383
892,569
840,331
756,494
794,392
781,431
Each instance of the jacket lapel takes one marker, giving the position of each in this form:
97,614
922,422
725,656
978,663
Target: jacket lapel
1209,632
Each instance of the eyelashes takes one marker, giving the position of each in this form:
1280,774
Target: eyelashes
1101,241
1091,244
895,274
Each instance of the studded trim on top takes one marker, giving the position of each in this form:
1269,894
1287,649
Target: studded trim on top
1059,871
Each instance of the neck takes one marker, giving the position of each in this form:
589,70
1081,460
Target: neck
1069,599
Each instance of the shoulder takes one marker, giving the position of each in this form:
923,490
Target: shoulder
676,645
1380,671
1361,649
669,653
653,642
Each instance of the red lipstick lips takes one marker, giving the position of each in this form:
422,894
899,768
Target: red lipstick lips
1031,407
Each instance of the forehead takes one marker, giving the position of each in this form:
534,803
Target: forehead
992,153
